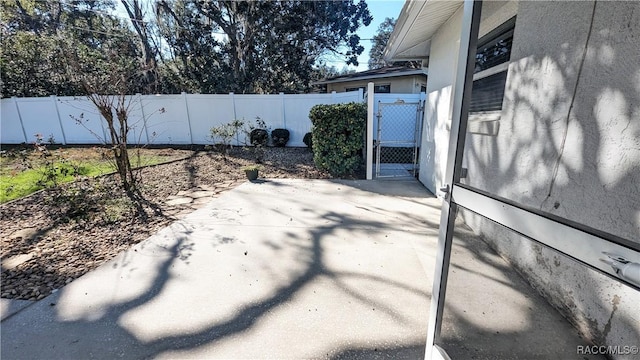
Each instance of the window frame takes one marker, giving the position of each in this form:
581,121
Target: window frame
348,89
501,32
377,86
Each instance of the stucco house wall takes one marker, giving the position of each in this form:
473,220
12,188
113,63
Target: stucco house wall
442,75
438,107
569,144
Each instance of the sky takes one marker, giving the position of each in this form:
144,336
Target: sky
380,9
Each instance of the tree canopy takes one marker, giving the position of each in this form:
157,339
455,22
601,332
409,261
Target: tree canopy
380,39
169,46
33,61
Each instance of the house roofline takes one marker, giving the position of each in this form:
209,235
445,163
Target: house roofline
372,76
417,23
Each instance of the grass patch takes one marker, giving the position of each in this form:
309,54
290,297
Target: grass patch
14,185
24,173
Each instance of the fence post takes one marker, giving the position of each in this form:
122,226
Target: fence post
103,124
232,96
144,117
24,132
370,104
284,118
186,108
55,103
233,104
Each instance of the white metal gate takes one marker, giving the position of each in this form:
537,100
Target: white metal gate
397,140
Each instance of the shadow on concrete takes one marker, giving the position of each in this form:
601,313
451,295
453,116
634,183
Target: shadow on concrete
568,145
100,332
491,312
415,351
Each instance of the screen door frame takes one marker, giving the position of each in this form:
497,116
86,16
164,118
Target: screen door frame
547,229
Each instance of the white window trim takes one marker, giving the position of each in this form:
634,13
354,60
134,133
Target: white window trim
485,116
491,71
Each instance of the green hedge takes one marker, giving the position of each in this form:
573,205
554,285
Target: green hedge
337,136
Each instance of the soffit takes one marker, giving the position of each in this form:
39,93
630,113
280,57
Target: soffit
417,24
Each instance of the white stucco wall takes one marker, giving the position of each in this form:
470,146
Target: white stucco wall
597,151
442,74
438,111
569,144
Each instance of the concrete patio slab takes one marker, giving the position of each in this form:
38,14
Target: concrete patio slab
278,269
287,269
491,312
9,307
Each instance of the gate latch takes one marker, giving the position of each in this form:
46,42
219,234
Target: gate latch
444,191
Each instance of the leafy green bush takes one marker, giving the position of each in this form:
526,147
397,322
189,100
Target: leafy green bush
337,136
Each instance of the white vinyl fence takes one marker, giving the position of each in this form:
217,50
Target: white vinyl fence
160,119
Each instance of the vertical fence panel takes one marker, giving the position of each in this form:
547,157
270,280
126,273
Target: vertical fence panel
283,111
144,117
186,109
209,111
166,119
81,121
55,105
137,132
351,96
297,111
11,131
266,107
233,104
38,117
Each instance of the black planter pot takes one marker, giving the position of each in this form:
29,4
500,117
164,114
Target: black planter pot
259,137
251,174
308,140
280,137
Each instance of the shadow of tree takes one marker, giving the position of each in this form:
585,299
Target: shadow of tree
101,331
568,145
491,311
414,351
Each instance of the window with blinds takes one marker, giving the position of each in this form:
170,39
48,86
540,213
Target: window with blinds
487,93
493,53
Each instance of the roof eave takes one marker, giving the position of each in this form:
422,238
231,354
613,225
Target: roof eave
408,14
417,52
417,23
371,77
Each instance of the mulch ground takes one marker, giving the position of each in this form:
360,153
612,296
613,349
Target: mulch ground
55,236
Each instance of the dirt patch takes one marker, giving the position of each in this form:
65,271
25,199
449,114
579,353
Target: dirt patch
57,235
